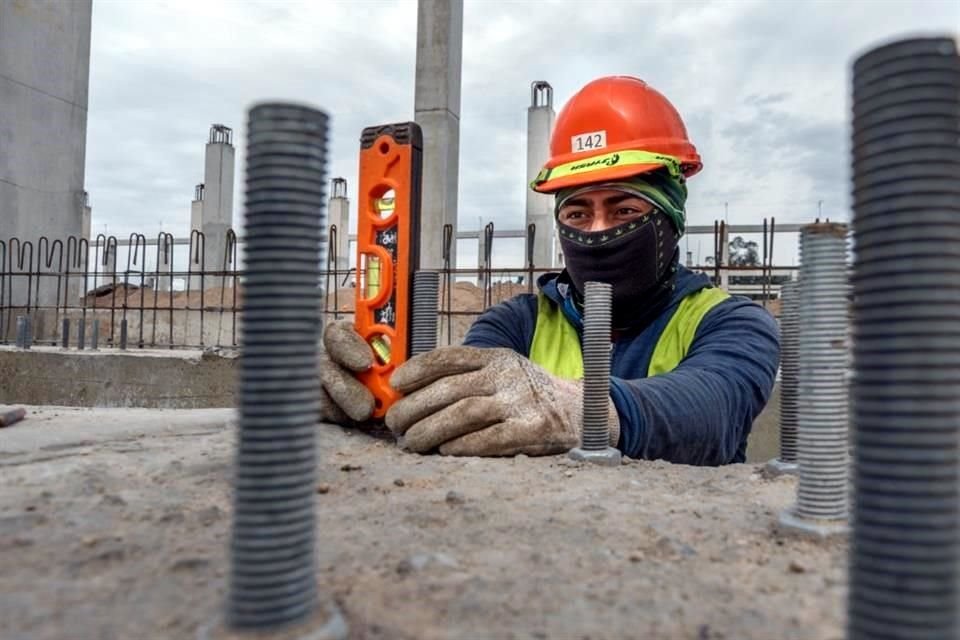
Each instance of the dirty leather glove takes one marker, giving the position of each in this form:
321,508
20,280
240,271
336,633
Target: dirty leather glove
344,400
485,402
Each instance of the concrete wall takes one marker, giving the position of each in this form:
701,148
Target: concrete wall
540,117
44,74
155,379
437,111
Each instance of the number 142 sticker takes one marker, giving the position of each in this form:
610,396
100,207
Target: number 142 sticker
588,141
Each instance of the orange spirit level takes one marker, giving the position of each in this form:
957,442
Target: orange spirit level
388,236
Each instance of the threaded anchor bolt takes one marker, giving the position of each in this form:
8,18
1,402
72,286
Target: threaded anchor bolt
273,582
27,332
904,568
821,508
21,333
789,369
426,292
595,426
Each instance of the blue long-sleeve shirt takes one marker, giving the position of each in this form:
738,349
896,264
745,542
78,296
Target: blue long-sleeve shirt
699,413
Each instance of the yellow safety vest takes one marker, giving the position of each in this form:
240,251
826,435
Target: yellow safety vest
556,345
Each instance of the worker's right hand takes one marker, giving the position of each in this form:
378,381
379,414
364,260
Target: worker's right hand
344,400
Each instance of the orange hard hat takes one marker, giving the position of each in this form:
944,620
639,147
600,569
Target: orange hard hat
614,128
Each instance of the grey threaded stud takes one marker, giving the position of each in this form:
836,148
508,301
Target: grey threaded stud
821,508
273,584
789,370
905,552
21,333
426,292
595,427
27,332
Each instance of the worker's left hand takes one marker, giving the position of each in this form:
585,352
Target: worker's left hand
485,402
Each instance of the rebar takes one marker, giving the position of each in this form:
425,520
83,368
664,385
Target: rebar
95,334
273,580
905,556
595,414
65,333
822,444
123,334
423,326
789,372
81,334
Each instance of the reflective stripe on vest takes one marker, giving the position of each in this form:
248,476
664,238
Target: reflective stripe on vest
556,345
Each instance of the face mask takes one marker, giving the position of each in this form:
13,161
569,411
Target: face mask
637,258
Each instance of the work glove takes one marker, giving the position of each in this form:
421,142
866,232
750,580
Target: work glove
344,400
485,402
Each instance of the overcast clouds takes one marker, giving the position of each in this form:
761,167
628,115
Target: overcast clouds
762,86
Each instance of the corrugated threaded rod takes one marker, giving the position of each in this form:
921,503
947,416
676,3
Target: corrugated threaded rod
822,440
273,582
21,332
27,331
905,555
789,370
423,325
595,414
596,365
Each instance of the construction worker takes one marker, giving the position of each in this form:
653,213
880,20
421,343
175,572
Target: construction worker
692,366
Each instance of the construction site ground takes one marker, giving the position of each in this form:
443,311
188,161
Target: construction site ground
115,524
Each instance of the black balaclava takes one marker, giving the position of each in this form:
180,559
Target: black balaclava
639,258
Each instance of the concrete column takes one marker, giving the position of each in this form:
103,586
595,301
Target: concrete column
196,224
165,267
44,77
540,117
217,215
339,215
196,209
75,284
86,217
109,265
437,111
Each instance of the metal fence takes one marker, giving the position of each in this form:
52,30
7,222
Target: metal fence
172,293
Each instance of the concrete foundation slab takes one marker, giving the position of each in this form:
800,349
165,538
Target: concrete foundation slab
112,531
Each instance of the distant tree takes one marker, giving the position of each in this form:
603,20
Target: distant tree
743,253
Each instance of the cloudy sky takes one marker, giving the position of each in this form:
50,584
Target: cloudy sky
761,84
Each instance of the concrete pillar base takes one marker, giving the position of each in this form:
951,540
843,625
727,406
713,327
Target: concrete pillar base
814,528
